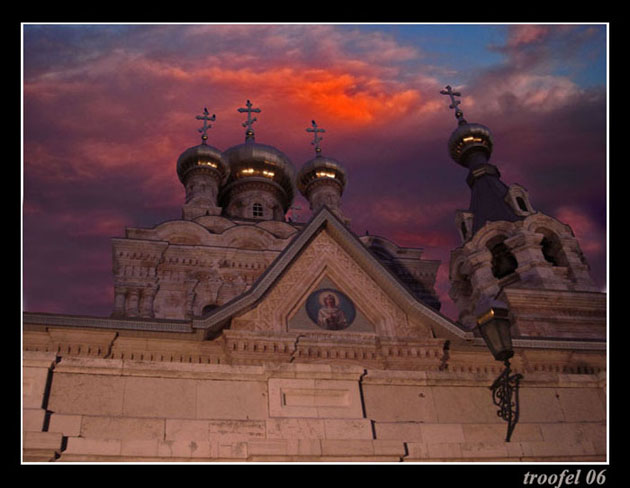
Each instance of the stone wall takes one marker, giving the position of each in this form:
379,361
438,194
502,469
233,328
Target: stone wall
90,409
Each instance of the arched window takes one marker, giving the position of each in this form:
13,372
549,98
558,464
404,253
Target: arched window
257,210
548,251
503,261
518,199
552,249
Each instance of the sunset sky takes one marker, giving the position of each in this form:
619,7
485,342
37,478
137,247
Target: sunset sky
107,110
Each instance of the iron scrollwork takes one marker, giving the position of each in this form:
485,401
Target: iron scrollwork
504,388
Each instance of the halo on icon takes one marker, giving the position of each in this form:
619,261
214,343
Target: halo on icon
332,316
322,298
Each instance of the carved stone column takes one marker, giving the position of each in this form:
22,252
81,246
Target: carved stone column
120,298
189,297
483,282
147,295
132,302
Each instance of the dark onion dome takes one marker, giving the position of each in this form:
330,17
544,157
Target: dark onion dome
467,138
252,161
202,158
321,168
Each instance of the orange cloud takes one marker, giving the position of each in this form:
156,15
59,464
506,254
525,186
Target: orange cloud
346,96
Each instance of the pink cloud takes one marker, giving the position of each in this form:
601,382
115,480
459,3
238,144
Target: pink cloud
99,222
525,91
520,35
398,211
422,238
584,229
31,208
348,91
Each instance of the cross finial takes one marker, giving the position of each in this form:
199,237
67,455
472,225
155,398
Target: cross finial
249,133
316,138
205,117
459,115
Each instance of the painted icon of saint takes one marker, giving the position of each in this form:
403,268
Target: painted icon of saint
330,316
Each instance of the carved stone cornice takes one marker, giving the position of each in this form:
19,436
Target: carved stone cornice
449,364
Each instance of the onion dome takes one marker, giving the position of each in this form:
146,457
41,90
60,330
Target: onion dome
202,158
469,138
260,184
252,161
321,168
322,180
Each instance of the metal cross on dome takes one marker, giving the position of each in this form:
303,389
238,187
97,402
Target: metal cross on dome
249,133
205,117
459,115
316,138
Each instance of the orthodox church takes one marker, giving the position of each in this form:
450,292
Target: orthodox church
238,335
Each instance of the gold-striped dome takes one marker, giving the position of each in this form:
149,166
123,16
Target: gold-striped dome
318,169
468,137
252,161
202,158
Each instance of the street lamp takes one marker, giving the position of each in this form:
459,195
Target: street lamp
493,324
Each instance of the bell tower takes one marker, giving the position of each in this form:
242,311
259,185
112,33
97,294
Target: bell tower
513,252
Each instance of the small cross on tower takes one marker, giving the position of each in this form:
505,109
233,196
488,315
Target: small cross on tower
249,133
316,138
459,115
205,117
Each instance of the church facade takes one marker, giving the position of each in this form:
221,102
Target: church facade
238,335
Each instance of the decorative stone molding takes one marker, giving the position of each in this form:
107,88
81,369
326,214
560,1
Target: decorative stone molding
557,313
183,269
464,224
518,199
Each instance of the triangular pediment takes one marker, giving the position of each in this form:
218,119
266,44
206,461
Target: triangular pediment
346,312
322,272
327,260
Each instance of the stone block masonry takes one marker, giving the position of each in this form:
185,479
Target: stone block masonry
142,411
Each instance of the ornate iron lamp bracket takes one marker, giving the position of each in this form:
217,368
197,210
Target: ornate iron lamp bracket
504,388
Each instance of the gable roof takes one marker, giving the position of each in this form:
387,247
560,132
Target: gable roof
326,219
